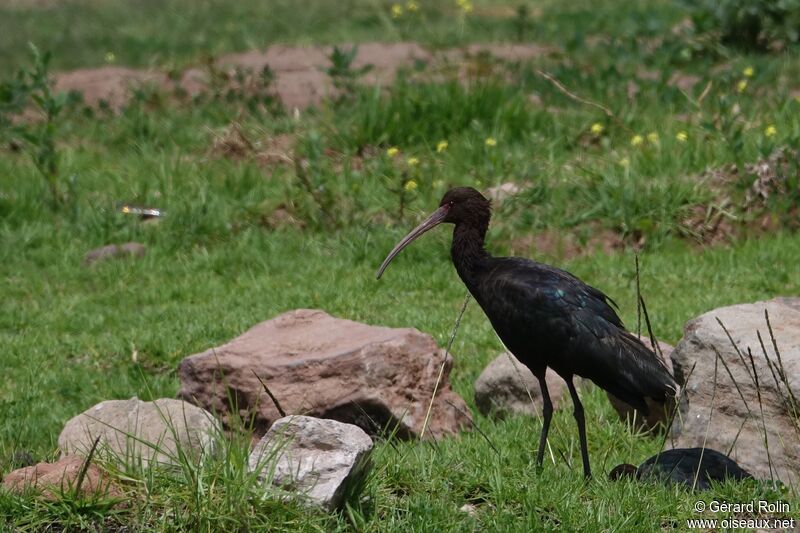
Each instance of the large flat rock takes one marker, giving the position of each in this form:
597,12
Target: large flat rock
133,430
377,378
761,430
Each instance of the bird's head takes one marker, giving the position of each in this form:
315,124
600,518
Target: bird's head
622,471
458,205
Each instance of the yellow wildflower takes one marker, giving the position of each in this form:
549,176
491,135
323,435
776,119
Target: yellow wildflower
652,137
741,86
397,11
412,162
465,5
748,72
393,151
412,6
770,131
597,128
682,136
625,162
110,57
410,185
637,140
491,141
441,146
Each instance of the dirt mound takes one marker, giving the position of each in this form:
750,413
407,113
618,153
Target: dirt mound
299,74
111,85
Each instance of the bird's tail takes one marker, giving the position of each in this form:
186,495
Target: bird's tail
648,376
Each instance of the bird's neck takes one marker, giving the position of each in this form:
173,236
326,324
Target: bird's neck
467,251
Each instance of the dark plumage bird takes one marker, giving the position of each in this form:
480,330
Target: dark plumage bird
693,467
546,317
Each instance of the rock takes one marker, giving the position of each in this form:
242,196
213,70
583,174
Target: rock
315,459
470,509
503,388
129,249
659,411
501,192
736,422
133,429
55,479
375,377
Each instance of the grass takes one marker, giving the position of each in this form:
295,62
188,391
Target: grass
214,267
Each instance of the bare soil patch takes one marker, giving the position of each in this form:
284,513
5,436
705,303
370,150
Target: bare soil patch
567,244
300,80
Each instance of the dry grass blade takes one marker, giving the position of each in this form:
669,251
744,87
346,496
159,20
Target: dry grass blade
781,370
480,431
656,347
708,425
730,375
269,393
761,408
676,411
560,86
444,362
736,438
85,466
787,402
638,298
735,347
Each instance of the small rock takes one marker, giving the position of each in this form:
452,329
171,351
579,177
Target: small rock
469,509
313,458
314,364
506,387
503,191
54,479
729,416
133,429
129,249
659,412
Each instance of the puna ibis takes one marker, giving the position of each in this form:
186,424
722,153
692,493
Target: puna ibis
546,317
693,467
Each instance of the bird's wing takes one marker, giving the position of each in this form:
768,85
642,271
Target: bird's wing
575,322
532,293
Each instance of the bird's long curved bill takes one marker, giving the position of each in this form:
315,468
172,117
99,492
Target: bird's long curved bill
432,221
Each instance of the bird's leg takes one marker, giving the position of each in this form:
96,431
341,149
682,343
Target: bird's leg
547,414
579,418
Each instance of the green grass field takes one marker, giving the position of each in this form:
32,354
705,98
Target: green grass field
215,265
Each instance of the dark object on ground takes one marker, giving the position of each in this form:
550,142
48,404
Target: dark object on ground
22,458
682,465
547,317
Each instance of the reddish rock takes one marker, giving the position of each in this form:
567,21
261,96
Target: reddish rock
55,479
318,365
